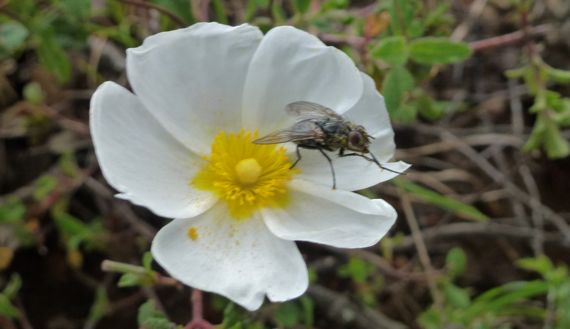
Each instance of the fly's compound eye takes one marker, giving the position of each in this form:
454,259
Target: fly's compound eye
356,139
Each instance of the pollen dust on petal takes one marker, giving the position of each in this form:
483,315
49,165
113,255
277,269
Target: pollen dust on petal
192,233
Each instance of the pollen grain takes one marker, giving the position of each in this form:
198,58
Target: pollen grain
193,233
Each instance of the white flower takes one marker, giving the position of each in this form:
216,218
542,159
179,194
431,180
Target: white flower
181,146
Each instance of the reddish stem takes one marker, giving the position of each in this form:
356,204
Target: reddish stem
508,39
198,321
197,305
531,47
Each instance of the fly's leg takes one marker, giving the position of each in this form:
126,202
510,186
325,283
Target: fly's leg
298,152
372,158
331,165
342,155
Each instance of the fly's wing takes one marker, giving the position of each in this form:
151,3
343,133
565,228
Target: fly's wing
308,110
303,130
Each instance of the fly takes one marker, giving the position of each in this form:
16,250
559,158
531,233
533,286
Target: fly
320,128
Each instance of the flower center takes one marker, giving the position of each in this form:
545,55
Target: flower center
248,171
246,176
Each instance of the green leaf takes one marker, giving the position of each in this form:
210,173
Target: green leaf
231,316
392,50
541,264
555,144
220,11
428,108
44,186
416,29
147,261
71,226
129,280
517,73
456,262
278,13
455,206
12,36
252,6
396,83
13,286
33,93
237,325
313,275
149,317
12,211
456,296
437,15
334,4
132,279
431,50
562,117
7,309
402,13
531,80
357,269
157,324
68,164
308,306
53,56
536,136
557,75
24,7
406,113
554,101
76,10
301,6
431,319
183,9
288,314
499,299
100,306
120,33
557,277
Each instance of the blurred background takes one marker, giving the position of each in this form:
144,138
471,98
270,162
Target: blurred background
478,93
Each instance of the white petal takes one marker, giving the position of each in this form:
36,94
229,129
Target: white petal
333,217
140,159
241,260
352,173
291,65
192,79
370,112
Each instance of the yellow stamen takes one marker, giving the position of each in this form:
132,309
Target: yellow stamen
246,176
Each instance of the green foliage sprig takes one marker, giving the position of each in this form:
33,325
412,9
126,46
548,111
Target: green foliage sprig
409,44
551,108
499,306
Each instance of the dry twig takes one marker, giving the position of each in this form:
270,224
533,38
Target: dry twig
340,309
514,190
481,230
421,248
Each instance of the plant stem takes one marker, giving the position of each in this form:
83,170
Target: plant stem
509,38
198,321
112,266
421,248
